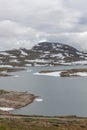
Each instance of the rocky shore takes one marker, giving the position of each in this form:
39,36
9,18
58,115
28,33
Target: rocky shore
74,72
14,99
6,71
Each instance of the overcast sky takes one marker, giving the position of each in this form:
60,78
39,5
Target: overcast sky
24,23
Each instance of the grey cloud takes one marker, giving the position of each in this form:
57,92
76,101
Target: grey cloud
83,19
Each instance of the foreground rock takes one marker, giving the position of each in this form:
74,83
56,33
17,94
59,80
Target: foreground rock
14,99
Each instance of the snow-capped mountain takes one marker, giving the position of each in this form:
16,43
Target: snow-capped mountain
44,53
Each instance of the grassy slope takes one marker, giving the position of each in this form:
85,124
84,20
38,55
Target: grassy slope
31,123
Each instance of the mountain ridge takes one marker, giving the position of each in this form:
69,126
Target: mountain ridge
44,53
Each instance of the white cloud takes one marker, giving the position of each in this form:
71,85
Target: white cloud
14,35
12,29
24,23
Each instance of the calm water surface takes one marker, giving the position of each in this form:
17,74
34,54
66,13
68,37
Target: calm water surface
61,96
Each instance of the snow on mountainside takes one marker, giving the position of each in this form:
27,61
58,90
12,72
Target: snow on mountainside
44,53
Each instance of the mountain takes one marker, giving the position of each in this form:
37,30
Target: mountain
44,53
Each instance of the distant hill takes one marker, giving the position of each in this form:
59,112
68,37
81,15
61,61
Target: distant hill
44,53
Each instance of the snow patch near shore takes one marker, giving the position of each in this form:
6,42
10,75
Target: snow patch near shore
38,99
82,74
17,76
56,74
6,109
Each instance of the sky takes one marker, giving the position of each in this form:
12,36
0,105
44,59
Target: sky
24,23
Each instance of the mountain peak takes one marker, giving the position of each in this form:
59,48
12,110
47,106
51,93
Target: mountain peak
49,46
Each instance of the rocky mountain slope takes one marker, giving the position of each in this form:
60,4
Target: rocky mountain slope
44,53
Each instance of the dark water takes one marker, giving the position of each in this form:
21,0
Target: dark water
61,96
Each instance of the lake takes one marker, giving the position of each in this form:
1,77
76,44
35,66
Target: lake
60,95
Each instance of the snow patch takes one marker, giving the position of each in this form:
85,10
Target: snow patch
76,63
38,99
9,66
4,53
6,109
17,76
59,45
80,62
12,56
23,53
57,55
63,63
46,52
83,74
14,60
54,47
37,60
66,54
35,64
56,74
79,53
42,56
27,65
